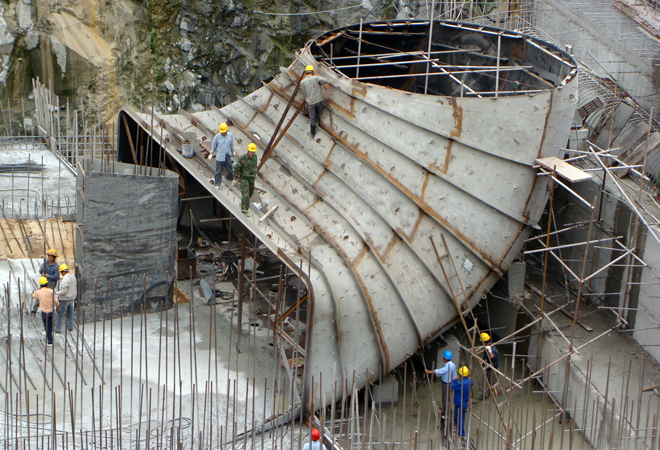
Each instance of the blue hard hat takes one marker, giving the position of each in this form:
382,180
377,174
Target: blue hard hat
447,355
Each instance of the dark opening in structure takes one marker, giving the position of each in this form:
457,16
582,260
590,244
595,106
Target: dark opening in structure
462,60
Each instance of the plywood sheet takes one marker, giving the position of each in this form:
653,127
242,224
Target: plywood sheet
564,169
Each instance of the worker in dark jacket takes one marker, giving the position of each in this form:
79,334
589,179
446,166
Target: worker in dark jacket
50,269
492,359
246,171
461,387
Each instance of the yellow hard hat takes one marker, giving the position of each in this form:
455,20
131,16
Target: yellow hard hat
309,68
485,337
464,371
64,268
52,252
43,281
223,128
252,147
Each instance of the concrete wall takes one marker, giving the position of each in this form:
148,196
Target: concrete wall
570,374
127,234
615,40
647,319
637,292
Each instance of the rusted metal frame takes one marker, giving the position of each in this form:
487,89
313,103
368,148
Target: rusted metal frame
389,33
271,147
291,310
291,342
401,54
366,243
448,72
420,204
330,39
273,140
310,319
130,138
451,292
423,56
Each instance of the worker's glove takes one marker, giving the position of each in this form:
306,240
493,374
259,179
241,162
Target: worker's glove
210,156
488,348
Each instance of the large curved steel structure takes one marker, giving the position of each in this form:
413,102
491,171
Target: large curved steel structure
416,141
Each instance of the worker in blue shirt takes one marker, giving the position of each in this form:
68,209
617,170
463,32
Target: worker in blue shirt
492,359
461,387
50,268
446,373
223,149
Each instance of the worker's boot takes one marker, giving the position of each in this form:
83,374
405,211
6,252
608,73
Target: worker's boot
312,130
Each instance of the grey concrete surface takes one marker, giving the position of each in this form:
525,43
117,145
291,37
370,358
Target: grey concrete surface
55,185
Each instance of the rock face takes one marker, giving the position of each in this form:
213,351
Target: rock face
178,52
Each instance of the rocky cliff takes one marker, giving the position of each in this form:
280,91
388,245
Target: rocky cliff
103,53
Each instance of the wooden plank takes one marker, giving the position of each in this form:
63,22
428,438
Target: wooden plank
564,169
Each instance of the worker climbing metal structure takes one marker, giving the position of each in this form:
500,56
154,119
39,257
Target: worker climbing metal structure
425,151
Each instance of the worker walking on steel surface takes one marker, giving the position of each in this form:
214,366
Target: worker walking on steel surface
311,87
446,373
66,293
223,149
246,170
316,445
492,359
461,387
50,269
46,300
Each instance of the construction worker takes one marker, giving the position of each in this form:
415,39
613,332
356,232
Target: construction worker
246,170
492,359
316,445
46,300
223,149
461,387
50,269
311,87
66,294
446,373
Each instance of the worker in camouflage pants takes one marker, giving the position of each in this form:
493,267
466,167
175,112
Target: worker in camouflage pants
246,170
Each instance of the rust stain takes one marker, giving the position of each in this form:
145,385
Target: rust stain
458,118
383,346
414,230
423,206
359,257
327,157
311,205
350,113
426,181
320,176
387,251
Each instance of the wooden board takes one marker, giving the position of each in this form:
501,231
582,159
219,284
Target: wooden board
564,169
